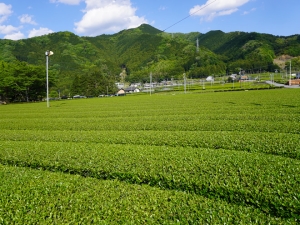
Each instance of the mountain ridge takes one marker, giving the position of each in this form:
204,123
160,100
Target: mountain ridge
146,49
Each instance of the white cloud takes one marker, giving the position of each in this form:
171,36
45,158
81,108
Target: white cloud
94,4
227,12
106,16
27,19
14,33
5,11
39,32
15,36
213,8
68,2
8,29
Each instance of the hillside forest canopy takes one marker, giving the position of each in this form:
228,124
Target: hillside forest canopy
92,65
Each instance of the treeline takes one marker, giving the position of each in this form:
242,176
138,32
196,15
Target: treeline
93,84
23,82
20,81
91,65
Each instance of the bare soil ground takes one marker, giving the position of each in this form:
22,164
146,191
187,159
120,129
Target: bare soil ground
281,60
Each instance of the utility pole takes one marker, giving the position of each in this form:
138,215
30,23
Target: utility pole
150,82
290,81
184,78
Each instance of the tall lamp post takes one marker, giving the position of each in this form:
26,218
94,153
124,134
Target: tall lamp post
47,53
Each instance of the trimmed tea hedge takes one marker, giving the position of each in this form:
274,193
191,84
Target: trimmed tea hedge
39,197
205,158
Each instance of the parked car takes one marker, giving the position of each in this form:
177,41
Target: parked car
79,96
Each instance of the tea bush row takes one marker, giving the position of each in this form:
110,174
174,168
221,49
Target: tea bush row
144,124
283,144
183,144
266,182
39,197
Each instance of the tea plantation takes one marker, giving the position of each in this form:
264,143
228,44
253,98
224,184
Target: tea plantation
195,158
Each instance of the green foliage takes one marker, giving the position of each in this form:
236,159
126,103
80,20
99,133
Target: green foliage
146,49
295,63
252,51
39,197
22,82
288,45
6,49
93,83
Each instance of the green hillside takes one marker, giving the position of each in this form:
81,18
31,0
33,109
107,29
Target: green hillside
140,51
251,50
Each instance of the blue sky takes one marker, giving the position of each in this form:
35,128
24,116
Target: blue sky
20,19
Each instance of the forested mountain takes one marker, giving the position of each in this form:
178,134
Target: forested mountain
251,51
91,64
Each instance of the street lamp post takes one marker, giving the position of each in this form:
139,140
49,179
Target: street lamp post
47,53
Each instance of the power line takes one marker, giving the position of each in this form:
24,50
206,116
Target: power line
189,15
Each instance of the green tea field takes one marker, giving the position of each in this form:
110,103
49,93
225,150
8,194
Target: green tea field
195,158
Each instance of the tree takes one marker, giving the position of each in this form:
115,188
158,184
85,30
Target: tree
22,82
93,83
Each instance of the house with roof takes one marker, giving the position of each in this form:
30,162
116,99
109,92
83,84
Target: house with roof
131,89
121,92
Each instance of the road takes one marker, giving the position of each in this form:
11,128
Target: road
282,85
